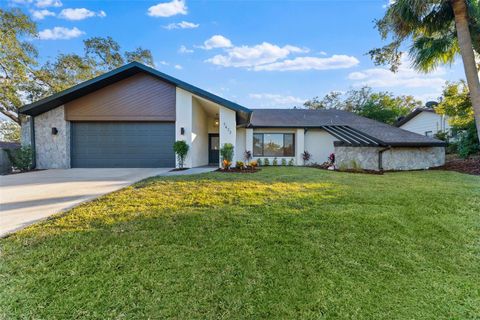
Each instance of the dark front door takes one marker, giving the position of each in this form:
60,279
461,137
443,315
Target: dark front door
213,148
122,144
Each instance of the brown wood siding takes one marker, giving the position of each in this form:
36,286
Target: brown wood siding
138,98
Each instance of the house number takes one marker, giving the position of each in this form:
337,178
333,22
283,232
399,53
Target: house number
227,128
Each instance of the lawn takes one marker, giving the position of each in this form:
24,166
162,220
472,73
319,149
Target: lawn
284,243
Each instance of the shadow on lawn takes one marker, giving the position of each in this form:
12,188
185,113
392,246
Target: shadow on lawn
176,196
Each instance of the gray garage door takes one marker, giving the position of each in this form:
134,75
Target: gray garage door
122,144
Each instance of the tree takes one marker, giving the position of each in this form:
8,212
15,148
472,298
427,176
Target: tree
9,131
456,104
380,106
17,59
23,81
438,30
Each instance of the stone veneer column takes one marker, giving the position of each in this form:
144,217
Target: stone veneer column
52,150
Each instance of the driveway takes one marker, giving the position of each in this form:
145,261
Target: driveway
29,197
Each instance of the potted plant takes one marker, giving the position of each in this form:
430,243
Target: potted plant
180,148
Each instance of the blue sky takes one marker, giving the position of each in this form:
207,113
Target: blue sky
257,53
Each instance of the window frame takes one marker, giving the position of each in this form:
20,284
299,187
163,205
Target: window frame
283,147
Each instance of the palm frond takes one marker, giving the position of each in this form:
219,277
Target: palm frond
428,52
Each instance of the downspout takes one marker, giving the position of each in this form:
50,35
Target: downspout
32,141
380,157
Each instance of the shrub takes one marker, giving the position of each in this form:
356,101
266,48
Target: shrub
331,158
468,142
227,152
21,158
180,148
254,164
284,162
248,156
275,161
239,164
266,162
306,157
291,162
259,162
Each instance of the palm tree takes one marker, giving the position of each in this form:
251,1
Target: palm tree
438,31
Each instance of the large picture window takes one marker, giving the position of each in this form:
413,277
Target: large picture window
273,145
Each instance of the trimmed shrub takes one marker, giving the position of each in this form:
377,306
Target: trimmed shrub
239,165
284,162
275,161
266,162
21,158
291,162
259,162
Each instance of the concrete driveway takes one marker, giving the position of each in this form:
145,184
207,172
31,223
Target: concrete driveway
26,198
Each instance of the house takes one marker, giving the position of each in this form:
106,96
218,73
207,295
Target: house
424,121
131,116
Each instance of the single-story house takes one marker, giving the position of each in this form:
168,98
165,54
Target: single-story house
131,116
424,121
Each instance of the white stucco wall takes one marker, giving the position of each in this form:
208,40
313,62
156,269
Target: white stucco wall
52,151
299,146
183,110
228,129
240,146
427,121
319,144
199,150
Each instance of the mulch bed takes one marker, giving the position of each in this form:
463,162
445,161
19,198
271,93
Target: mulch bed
469,166
236,170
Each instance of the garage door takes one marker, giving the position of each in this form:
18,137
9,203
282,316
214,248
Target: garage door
122,144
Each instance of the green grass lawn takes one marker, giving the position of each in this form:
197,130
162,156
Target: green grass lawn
283,243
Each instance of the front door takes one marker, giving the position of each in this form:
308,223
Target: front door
213,149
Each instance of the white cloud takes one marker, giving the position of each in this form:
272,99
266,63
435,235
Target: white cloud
405,77
182,25
310,63
178,67
168,9
48,3
80,14
216,41
269,100
41,14
184,49
162,63
257,55
60,33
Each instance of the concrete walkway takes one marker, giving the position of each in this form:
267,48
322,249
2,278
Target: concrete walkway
26,198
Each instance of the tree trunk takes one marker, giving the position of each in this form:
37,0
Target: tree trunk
468,57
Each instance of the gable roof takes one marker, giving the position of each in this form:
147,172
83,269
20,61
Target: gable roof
412,115
118,74
345,124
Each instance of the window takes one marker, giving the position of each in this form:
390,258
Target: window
429,133
273,145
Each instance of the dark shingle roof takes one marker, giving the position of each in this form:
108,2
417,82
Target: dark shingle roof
303,118
118,74
9,145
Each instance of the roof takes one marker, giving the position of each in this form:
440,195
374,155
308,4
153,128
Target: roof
345,126
118,74
412,115
9,145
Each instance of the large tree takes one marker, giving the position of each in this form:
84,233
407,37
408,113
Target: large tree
380,106
23,80
437,30
17,59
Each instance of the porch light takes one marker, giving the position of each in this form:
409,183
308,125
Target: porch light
216,120
54,131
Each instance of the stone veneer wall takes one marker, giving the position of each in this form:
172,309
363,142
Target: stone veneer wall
398,158
25,131
52,151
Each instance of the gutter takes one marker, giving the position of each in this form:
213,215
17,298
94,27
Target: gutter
32,141
380,157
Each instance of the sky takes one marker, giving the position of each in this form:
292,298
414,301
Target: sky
260,54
